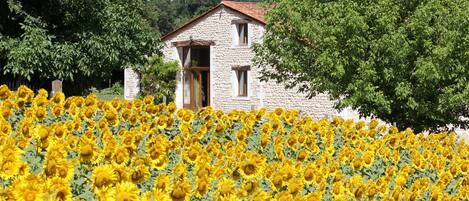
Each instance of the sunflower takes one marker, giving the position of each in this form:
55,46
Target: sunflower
356,163
51,163
65,170
250,186
202,186
192,153
203,168
125,191
251,165
226,187
5,112
89,151
5,92
10,160
302,155
284,195
260,195
26,129
58,189
78,101
162,182
185,129
102,124
89,113
5,128
156,154
180,190
121,155
368,158
295,185
220,127
116,103
112,116
122,173
24,93
140,174
161,163
110,146
308,173
187,117
40,113
288,170
337,189
180,169
155,195
103,177
90,100
74,110
29,188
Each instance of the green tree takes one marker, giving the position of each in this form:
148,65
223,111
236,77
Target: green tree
158,78
167,15
70,40
404,61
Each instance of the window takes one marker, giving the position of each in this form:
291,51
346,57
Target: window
242,34
195,56
200,56
242,76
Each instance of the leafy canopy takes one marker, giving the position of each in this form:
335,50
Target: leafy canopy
167,15
404,61
68,39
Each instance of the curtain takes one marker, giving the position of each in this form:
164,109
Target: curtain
241,34
242,82
187,88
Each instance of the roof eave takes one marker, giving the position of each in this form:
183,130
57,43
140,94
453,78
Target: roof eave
165,37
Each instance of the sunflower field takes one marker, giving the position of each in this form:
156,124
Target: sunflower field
83,148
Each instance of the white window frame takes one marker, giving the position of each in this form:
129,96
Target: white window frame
235,86
236,35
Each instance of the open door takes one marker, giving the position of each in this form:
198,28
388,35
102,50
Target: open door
196,77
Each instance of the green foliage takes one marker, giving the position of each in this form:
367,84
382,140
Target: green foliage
158,78
405,62
117,89
69,40
167,15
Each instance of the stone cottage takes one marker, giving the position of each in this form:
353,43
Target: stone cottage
215,55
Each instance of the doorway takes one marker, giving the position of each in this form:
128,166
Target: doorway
196,77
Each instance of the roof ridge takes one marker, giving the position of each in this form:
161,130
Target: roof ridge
254,12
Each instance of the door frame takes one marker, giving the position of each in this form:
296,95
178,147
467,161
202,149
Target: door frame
191,71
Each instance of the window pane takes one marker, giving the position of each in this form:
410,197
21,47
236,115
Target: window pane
243,33
196,89
200,56
245,83
242,82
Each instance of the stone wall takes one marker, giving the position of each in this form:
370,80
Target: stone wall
218,27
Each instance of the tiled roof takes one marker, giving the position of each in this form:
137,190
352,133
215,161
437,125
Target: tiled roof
250,9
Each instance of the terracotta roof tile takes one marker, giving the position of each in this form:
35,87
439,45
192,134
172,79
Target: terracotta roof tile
250,9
